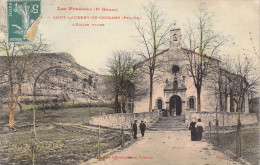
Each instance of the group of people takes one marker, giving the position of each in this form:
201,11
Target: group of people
196,129
165,112
142,127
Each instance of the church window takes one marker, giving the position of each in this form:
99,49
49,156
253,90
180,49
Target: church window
159,103
175,84
191,102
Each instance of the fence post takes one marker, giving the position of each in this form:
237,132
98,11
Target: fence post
238,146
209,130
217,128
98,143
132,133
99,134
122,137
223,122
34,138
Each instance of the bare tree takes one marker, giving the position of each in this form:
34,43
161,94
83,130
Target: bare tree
222,85
202,45
247,80
153,33
249,52
121,78
16,58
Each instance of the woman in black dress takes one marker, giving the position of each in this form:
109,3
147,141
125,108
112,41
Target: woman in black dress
193,130
200,126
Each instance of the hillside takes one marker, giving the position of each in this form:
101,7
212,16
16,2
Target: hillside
59,77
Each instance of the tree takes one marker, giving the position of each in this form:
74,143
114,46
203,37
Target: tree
153,37
223,86
203,45
120,78
16,58
247,80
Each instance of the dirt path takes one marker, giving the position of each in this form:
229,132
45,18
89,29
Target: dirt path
167,148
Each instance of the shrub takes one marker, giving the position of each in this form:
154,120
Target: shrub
56,104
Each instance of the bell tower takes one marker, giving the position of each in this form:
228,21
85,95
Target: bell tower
175,38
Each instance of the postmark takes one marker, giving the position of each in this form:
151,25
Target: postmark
21,15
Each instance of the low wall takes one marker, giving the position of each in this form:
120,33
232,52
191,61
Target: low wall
230,118
125,119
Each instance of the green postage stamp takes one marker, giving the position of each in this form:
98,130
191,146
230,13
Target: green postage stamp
21,15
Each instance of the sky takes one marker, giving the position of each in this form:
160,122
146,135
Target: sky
91,46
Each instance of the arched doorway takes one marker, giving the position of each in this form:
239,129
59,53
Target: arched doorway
175,104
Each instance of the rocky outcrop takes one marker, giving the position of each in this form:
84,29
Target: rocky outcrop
58,77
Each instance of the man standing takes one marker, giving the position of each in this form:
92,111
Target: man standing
135,129
142,128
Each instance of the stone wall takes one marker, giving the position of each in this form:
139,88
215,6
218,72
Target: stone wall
125,119
230,118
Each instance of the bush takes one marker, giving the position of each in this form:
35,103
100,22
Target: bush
55,104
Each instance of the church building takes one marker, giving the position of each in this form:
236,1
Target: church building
173,87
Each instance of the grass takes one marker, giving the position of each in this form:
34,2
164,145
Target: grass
249,143
69,115
62,138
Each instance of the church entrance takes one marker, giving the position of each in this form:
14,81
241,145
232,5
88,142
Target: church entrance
175,104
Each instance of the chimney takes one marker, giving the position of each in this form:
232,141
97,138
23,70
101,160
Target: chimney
175,38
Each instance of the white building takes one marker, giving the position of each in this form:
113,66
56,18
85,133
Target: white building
175,90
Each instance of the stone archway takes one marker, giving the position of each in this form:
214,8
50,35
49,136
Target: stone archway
176,104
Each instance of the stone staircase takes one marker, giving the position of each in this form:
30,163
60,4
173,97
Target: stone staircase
169,124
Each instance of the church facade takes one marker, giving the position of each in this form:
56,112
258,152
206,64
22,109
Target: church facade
173,87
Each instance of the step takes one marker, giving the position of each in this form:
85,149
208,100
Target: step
166,129
169,124
171,121
173,117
